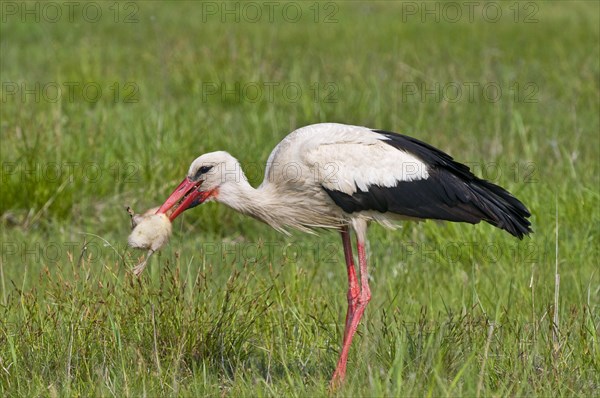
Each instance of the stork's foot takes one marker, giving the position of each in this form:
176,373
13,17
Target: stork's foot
338,378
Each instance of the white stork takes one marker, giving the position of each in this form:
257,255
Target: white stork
342,177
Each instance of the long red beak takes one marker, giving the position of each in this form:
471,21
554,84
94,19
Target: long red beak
185,196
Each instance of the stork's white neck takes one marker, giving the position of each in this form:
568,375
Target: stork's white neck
275,205
243,197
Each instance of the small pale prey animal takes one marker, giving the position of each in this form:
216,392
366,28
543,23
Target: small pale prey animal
151,231
343,177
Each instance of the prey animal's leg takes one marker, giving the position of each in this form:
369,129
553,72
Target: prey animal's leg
138,269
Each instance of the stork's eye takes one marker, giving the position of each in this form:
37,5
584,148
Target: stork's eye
202,170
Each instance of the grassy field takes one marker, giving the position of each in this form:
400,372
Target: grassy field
102,109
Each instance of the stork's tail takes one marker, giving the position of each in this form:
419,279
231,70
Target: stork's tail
500,208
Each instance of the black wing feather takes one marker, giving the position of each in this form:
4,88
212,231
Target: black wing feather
451,193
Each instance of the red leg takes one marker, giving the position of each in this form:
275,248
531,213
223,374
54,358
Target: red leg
356,306
353,288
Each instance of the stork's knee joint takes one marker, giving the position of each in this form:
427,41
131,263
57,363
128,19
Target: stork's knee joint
365,297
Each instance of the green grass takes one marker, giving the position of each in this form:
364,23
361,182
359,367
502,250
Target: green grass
230,307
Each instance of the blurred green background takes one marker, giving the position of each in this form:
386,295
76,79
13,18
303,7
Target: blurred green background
105,104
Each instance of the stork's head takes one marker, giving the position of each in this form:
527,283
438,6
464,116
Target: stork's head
207,174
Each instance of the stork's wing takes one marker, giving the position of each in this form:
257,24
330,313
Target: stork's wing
402,175
349,166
